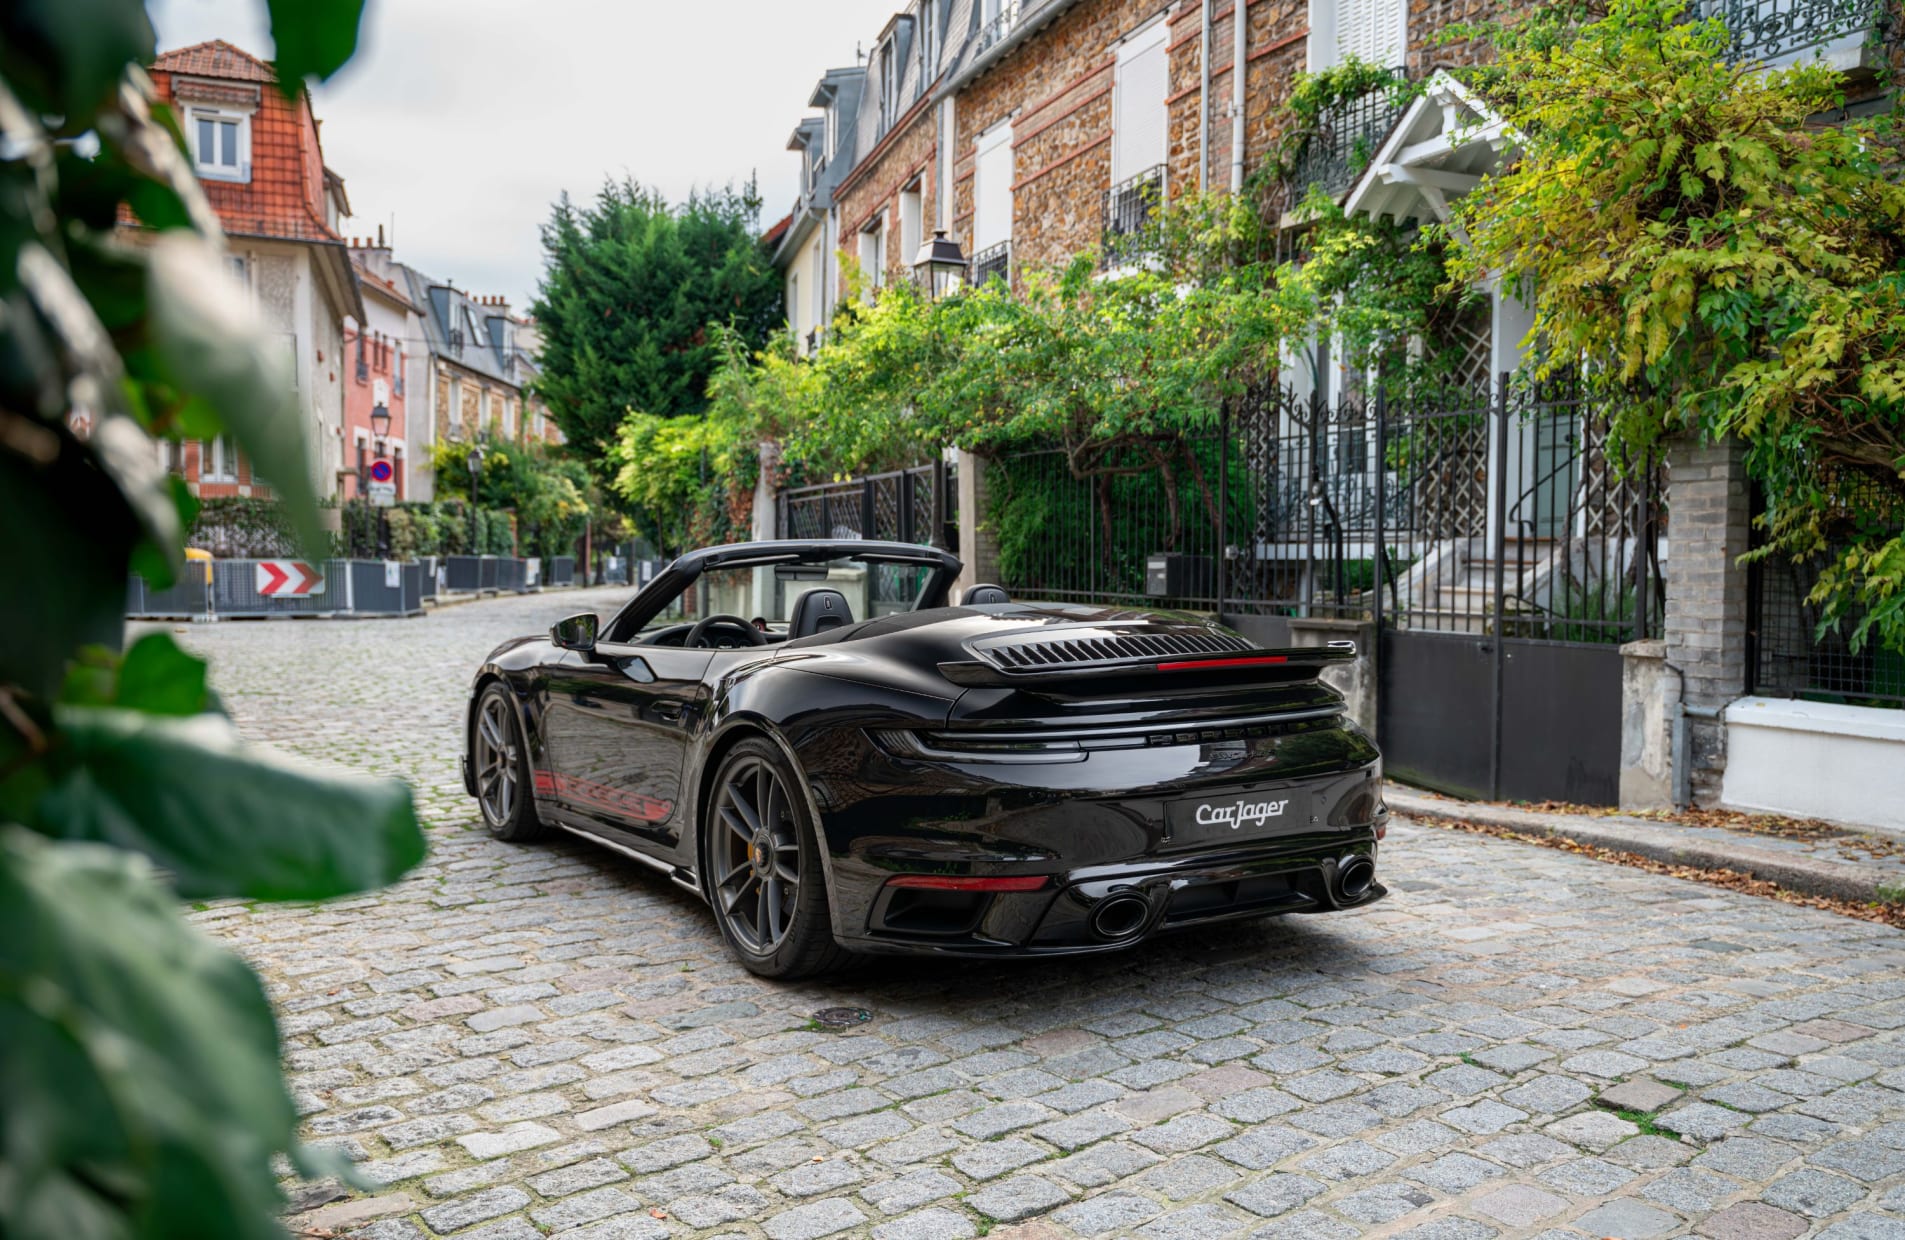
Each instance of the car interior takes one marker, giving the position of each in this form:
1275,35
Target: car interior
719,610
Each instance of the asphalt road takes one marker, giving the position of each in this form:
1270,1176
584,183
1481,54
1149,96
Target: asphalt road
550,1040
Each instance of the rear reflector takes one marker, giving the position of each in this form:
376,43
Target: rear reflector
943,882
1192,665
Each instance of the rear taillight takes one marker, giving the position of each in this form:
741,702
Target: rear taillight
949,882
1198,665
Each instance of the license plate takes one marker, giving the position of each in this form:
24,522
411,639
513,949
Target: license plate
1237,816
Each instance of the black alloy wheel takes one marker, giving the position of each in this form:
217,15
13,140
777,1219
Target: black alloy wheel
499,764
764,866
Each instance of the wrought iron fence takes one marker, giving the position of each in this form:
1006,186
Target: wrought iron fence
1790,652
1131,206
1346,137
994,260
1353,511
1783,31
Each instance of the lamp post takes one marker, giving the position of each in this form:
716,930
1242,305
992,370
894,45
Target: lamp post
940,266
380,427
476,473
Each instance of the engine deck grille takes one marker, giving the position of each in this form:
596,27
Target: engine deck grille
1113,648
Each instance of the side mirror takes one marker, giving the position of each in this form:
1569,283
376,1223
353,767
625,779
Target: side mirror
575,633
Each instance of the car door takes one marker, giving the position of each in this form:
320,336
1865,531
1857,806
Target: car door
619,719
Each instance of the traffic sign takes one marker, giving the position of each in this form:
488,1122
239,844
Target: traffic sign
288,579
382,494
380,471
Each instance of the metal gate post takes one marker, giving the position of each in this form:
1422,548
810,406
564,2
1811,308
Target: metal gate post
1381,548
906,505
1223,504
867,510
1498,551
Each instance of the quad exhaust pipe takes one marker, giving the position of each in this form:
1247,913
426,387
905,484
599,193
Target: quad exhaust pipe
1119,917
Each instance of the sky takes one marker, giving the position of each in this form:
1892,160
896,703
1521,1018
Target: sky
459,122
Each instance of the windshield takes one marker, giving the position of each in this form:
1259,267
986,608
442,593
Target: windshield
766,595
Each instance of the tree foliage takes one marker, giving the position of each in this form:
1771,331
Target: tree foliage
1720,247
629,290
142,1090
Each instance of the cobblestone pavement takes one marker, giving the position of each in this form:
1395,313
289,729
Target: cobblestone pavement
550,1040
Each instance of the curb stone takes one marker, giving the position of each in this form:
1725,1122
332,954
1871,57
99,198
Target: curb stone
1838,880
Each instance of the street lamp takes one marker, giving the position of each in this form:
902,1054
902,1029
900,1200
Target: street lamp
476,472
380,427
941,265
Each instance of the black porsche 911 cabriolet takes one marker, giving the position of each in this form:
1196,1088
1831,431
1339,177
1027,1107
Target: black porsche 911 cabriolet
883,772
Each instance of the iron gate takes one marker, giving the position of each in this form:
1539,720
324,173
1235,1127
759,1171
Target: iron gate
917,505
1517,557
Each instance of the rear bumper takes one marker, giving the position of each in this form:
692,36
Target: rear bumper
1111,908
1108,835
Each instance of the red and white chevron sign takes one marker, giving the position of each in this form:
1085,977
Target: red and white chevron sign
288,579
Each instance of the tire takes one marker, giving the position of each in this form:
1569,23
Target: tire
753,853
499,765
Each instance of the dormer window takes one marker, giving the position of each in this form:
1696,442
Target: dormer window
889,87
221,143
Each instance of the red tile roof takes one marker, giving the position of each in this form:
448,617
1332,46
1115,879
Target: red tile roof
285,197
218,59
777,229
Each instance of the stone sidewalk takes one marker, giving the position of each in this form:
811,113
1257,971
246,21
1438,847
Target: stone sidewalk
551,1041
1851,866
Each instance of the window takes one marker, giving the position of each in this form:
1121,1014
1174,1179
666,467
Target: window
221,144
793,300
912,224
929,18
240,269
889,87
1373,31
482,410
992,189
1139,85
217,460
456,406
509,418
873,252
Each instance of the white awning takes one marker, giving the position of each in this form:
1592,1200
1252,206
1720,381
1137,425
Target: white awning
1443,146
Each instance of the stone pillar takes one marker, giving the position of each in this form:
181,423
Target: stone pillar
1650,697
766,521
1706,596
978,542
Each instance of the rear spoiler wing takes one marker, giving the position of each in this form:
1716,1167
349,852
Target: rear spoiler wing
1228,666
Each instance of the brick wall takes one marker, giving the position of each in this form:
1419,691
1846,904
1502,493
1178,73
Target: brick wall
906,154
1706,594
1057,88
1428,19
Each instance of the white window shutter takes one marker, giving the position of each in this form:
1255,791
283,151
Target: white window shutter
992,189
1140,84
1370,30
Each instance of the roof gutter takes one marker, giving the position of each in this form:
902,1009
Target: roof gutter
1203,98
1239,35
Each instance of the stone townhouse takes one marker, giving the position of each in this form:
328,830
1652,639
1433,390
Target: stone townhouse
381,356
260,162
473,384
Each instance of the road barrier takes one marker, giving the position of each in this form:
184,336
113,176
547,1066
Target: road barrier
490,574
559,572
250,588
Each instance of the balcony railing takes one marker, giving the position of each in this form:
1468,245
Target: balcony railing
1131,209
995,260
1346,137
1781,32
993,32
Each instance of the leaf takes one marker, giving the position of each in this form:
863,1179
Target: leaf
313,37
141,1068
212,345
68,540
159,678
64,57
224,817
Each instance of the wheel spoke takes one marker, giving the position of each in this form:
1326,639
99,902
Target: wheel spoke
740,894
737,797
487,725
761,905
737,826
771,894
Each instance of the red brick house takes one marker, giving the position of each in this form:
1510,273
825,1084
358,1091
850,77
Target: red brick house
260,161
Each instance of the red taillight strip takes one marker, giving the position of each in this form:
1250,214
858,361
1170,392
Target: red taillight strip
1191,665
943,882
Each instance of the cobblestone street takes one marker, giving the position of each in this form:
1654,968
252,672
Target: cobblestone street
520,1042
